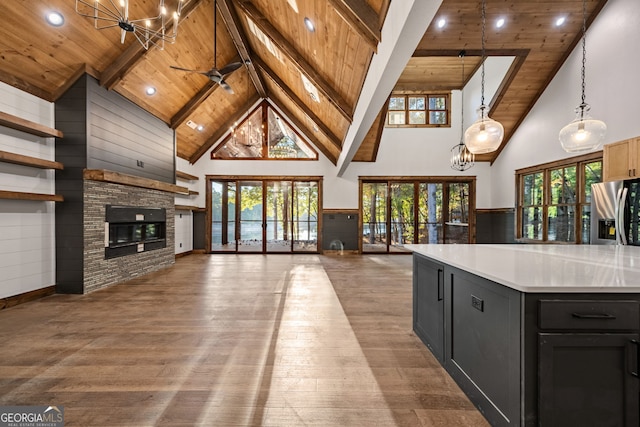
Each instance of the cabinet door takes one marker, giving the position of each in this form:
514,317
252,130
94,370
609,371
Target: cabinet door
616,159
428,304
586,380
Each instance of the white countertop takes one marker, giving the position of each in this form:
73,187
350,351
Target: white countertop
546,268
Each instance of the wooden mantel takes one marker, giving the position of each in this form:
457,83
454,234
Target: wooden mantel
28,126
134,181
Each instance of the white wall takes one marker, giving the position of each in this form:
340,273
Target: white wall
184,231
613,91
27,228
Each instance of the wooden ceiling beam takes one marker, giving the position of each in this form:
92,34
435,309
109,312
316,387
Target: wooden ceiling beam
119,68
294,56
306,110
307,132
239,38
223,128
195,102
362,18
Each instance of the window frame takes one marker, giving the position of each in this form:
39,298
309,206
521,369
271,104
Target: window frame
427,111
580,201
416,181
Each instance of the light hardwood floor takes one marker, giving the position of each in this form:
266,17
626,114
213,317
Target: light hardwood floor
234,340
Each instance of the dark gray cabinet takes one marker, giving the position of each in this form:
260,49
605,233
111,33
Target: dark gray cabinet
483,351
532,359
428,304
588,363
585,380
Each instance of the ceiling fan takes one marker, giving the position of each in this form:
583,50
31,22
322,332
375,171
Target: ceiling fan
214,74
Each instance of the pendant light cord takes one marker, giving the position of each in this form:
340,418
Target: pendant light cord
483,55
462,53
584,49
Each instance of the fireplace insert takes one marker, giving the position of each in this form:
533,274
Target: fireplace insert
130,230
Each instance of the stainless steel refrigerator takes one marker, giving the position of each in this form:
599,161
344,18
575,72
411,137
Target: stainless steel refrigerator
615,213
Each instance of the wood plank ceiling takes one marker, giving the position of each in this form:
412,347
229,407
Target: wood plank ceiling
277,51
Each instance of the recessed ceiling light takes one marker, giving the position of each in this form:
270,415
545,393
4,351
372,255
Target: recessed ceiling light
560,21
441,22
500,23
309,25
55,18
200,128
150,91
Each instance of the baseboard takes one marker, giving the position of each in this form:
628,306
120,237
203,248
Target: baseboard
338,252
26,297
183,254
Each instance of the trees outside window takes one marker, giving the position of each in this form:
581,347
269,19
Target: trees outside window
554,200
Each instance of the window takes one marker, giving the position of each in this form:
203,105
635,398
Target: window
417,110
554,200
264,135
396,212
264,215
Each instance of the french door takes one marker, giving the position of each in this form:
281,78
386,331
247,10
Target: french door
424,211
264,215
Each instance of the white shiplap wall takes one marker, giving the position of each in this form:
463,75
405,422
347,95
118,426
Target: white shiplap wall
27,228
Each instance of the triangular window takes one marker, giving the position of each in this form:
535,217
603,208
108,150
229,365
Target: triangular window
264,135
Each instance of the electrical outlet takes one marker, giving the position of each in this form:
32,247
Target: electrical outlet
180,244
477,303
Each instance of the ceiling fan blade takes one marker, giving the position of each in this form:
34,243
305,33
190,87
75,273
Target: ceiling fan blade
226,87
188,70
229,68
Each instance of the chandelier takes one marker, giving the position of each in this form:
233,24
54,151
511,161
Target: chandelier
149,31
583,133
485,135
461,158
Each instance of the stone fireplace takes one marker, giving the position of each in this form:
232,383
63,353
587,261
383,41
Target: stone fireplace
100,270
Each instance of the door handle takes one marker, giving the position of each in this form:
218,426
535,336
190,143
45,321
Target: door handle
603,316
440,284
631,358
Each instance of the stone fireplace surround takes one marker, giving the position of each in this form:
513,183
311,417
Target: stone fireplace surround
100,272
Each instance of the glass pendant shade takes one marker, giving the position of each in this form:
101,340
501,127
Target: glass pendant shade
583,133
461,158
485,135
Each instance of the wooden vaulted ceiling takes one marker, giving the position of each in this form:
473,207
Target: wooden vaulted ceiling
46,60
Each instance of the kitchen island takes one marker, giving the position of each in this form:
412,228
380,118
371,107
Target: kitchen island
535,334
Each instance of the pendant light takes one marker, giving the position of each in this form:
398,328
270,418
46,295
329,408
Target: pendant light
486,134
461,158
583,133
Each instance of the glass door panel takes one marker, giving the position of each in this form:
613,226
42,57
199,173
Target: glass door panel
278,238
374,217
305,217
250,227
457,222
223,216
430,213
402,216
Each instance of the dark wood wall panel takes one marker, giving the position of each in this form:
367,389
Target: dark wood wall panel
124,138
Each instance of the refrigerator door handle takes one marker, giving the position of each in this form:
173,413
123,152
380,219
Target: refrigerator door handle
620,205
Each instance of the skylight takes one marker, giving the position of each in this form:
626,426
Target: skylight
266,41
293,5
310,88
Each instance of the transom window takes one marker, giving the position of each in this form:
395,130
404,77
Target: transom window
416,110
554,200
